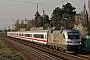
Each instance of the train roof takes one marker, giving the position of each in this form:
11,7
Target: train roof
37,31
71,30
50,31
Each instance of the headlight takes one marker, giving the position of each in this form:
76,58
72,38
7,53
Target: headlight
79,42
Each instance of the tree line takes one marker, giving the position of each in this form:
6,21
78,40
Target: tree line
61,17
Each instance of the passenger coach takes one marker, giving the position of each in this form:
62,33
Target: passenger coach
39,36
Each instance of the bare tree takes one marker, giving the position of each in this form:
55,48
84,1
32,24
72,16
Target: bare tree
31,23
17,25
82,29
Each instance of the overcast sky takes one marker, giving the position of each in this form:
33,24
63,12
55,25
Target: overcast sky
20,9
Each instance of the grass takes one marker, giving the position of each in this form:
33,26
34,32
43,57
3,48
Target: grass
9,51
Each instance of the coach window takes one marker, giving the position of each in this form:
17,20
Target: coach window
28,35
39,36
42,36
17,34
35,35
20,34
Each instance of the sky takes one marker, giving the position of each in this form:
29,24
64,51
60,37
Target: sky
11,10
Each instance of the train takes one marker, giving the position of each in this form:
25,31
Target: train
68,39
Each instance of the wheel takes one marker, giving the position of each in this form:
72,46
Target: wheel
61,49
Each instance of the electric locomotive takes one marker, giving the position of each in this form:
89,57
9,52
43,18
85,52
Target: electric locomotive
65,39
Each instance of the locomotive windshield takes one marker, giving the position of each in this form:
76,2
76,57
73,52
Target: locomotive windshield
73,35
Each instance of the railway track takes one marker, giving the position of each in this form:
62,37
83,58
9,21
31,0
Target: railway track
84,56
38,53
44,53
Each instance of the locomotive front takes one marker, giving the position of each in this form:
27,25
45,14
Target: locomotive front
73,39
